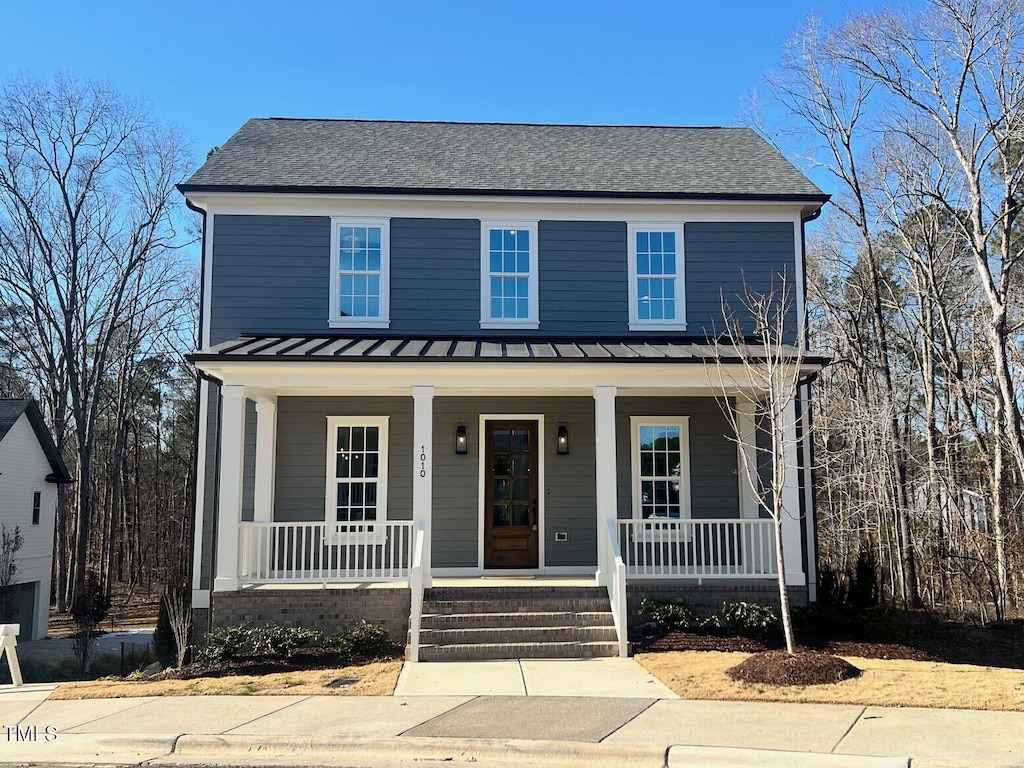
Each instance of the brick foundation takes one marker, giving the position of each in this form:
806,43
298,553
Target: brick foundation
329,610
705,599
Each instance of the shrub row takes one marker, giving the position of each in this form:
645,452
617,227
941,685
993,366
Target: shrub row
272,641
741,618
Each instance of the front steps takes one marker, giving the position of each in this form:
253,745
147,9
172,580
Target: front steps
550,622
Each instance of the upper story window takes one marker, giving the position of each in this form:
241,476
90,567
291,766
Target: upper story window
508,279
657,299
360,273
37,498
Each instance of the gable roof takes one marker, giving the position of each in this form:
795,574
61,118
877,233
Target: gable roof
280,154
10,412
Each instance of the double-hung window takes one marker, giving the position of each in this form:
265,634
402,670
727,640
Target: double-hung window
37,498
508,275
657,298
357,461
360,273
661,467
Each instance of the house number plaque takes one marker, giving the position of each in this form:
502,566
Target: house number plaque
423,461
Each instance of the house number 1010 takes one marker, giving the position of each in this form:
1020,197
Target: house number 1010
423,461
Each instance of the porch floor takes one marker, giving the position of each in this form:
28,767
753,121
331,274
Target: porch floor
526,582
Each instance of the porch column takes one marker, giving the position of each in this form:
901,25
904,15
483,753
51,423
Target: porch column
232,451
423,468
604,426
791,504
266,440
746,458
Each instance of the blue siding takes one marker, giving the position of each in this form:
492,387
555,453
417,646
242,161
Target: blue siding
271,274
435,275
583,277
723,259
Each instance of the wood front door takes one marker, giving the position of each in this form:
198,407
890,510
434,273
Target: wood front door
510,494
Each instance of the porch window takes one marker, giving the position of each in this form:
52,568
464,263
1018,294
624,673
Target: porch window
360,273
508,279
357,469
661,467
657,299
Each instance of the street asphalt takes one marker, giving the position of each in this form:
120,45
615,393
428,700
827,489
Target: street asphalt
475,714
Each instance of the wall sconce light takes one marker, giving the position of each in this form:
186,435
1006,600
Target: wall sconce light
461,440
562,441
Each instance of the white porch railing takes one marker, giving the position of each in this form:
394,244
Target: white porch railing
702,549
416,592
325,552
617,591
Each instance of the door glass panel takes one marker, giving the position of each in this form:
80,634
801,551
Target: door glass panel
520,441
501,439
520,490
500,464
521,465
520,514
500,515
501,490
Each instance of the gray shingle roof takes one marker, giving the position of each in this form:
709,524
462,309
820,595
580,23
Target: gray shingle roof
359,155
10,412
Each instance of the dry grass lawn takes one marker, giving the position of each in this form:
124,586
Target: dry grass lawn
374,679
889,683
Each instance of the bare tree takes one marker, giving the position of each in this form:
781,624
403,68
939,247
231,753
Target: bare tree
772,367
87,252
958,67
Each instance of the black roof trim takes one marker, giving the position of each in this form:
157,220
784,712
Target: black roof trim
332,190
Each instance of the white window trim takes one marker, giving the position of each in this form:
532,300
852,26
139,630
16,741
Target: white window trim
331,493
486,321
683,422
384,320
635,323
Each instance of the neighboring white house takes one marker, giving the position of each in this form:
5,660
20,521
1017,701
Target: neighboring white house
30,469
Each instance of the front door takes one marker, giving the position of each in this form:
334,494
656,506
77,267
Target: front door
510,511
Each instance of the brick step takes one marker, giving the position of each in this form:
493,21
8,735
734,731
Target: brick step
481,651
517,635
518,605
521,619
514,593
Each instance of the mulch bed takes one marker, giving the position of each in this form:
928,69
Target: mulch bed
908,635
307,659
699,641
802,668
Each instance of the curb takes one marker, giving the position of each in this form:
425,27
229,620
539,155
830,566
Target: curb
407,751
730,757
87,749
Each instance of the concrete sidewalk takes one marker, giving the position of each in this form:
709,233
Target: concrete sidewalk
496,730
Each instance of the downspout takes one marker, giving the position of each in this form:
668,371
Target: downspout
198,428
806,470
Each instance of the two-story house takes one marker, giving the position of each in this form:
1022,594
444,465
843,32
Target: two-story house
439,355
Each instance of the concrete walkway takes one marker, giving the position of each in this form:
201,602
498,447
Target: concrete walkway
622,678
560,726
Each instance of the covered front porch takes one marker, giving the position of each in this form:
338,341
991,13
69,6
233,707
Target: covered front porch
407,472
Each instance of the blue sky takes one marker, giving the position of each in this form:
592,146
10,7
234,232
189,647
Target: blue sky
208,66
